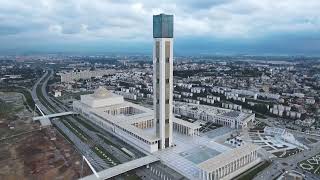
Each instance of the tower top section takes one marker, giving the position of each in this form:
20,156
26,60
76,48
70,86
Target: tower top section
162,26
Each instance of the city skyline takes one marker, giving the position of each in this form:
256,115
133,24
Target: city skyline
127,118
219,27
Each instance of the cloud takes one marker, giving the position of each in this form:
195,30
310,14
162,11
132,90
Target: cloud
111,20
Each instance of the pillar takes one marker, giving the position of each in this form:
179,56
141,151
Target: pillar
203,174
217,174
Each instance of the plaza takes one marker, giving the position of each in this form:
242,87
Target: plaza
272,144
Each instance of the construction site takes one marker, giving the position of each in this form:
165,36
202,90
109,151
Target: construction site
30,152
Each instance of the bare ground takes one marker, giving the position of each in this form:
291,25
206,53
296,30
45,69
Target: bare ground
35,154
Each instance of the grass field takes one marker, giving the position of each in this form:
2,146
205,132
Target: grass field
311,165
29,101
287,153
251,173
107,157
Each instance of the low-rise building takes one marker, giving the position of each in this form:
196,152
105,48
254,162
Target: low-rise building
225,117
68,77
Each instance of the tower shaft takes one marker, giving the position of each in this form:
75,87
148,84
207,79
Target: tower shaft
163,77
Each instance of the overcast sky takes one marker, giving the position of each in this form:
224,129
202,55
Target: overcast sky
201,26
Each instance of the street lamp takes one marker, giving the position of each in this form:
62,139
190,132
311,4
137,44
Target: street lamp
91,167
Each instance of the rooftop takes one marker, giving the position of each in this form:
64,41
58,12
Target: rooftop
163,26
101,92
217,161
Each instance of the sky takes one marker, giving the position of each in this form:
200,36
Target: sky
201,27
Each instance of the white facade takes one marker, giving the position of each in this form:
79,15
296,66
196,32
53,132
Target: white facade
225,117
230,164
57,94
130,122
163,89
126,120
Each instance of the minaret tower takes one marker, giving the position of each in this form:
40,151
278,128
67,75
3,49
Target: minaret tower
163,77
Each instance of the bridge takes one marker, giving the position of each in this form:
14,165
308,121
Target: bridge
122,168
53,115
45,119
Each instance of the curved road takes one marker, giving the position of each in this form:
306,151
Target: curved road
35,95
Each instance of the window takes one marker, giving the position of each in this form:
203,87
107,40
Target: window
158,81
157,60
157,49
167,60
167,81
167,120
157,101
167,101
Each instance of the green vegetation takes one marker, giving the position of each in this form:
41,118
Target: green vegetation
131,176
76,130
187,73
29,101
287,153
251,173
85,124
261,125
68,95
43,100
311,165
5,108
258,115
112,144
107,157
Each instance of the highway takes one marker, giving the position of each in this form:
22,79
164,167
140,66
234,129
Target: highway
71,127
73,133
34,92
102,149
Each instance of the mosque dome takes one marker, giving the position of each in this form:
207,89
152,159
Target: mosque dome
101,92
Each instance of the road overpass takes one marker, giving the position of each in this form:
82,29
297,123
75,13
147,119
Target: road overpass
53,115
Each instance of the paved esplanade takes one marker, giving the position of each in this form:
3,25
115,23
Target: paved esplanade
274,169
122,168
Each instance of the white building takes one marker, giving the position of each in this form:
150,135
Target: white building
56,93
126,95
307,122
124,119
163,77
68,77
274,131
133,123
149,130
284,135
310,101
225,117
230,164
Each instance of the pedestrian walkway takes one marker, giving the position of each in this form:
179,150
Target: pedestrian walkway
122,168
